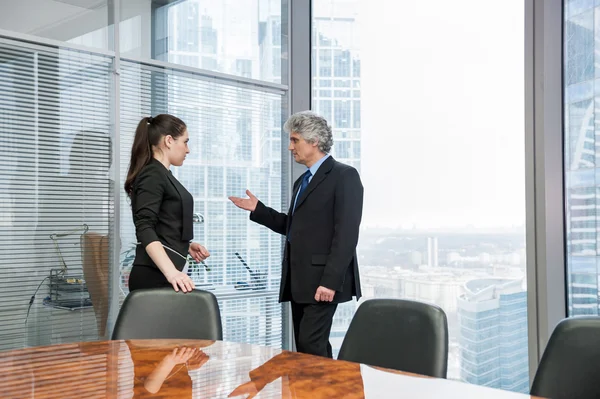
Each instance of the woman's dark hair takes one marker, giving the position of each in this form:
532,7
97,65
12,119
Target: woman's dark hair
147,135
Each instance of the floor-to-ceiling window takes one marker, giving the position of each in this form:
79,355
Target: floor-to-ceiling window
582,179
233,147
426,100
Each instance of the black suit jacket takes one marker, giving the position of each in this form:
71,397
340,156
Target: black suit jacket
162,211
323,234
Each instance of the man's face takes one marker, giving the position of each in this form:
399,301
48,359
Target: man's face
303,151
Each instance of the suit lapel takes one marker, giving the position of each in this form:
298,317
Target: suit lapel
297,185
317,179
187,231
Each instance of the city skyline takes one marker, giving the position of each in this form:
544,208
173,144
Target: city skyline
441,212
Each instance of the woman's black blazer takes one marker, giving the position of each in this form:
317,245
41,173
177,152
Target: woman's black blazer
162,211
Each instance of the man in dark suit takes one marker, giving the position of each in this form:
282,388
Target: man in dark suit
320,267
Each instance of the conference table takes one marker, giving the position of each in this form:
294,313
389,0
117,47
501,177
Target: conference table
208,369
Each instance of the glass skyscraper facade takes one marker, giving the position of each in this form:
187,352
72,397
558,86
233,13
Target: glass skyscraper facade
235,144
492,315
336,96
582,175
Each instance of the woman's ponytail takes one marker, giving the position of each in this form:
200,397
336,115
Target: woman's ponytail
141,153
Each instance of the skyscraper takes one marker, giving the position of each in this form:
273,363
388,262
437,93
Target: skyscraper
582,177
583,286
493,334
432,251
235,144
336,97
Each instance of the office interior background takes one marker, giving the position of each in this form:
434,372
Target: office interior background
471,122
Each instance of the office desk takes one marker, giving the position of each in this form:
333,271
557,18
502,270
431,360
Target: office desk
208,369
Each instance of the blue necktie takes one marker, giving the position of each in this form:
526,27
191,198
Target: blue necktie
303,185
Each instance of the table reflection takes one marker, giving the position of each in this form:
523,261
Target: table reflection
170,376
207,369
301,375
196,369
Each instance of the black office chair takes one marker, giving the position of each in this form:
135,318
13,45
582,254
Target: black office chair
570,364
398,334
164,313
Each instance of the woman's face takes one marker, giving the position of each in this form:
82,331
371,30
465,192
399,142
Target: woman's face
178,148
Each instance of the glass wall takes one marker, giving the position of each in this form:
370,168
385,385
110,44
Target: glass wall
232,149
237,37
431,113
78,22
71,97
582,179
55,194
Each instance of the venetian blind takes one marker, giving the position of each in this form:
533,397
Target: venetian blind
235,143
55,195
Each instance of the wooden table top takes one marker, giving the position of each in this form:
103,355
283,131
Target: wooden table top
208,369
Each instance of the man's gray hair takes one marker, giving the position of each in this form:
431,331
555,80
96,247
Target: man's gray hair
312,127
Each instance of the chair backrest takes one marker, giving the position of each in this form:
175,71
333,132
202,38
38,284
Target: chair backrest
570,365
398,334
96,266
163,313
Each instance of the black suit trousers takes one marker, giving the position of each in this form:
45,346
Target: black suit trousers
312,325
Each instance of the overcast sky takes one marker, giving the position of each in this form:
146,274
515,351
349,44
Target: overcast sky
442,112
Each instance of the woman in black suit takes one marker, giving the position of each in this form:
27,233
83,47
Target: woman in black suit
162,208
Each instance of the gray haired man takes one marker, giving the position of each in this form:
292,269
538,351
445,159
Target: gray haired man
320,267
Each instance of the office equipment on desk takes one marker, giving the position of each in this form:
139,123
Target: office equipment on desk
194,272
54,237
198,218
258,279
204,286
67,291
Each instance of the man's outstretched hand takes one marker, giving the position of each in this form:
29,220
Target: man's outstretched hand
248,204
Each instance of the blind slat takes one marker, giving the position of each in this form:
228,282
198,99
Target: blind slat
55,124
226,126
57,120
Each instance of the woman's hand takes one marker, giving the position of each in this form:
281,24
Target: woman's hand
198,252
181,355
180,280
198,360
178,356
176,278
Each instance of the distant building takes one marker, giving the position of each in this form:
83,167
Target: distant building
583,286
492,316
432,251
336,96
